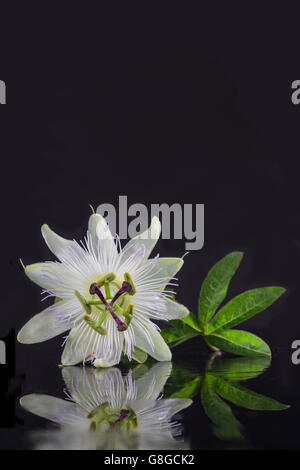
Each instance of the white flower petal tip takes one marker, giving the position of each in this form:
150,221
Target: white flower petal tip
46,406
175,310
147,240
163,355
166,268
57,244
159,349
186,402
70,362
41,273
99,227
99,363
70,355
41,327
154,230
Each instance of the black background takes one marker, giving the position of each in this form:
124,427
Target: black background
178,105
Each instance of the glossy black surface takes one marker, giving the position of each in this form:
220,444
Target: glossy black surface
195,109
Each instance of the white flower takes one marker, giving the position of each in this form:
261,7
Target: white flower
106,295
109,411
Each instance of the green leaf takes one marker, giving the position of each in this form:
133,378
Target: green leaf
179,379
239,368
215,286
244,306
227,432
241,396
189,390
191,321
139,356
179,333
238,342
220,414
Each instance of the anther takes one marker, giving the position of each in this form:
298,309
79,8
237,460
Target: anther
94,289
107,278
86,307
129,284
128,287
123,415
128,314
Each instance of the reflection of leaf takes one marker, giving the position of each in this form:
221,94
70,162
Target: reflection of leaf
243,397
240,368
244,306
226,425
189,390
181,380
178,333
238,342
214,287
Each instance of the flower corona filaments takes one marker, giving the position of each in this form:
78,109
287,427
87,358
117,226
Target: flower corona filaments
105,295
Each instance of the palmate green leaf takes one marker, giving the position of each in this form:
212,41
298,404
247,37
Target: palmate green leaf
227,432
244,306
215,286
238,342
226,425
178,333
191,321
243,397
239,368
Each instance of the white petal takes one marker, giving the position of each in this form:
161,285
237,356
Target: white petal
110,349
175,310
111,387
151,384
106,362
77,348
160,350
166,267
102,242
43,326
58,245
84,341
160,272
148,239
173,405
90,387
48,407
99,229
43,274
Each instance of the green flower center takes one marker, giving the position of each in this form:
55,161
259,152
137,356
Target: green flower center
114,419
107,303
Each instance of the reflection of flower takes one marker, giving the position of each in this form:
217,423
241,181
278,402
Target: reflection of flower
106,296
111,411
